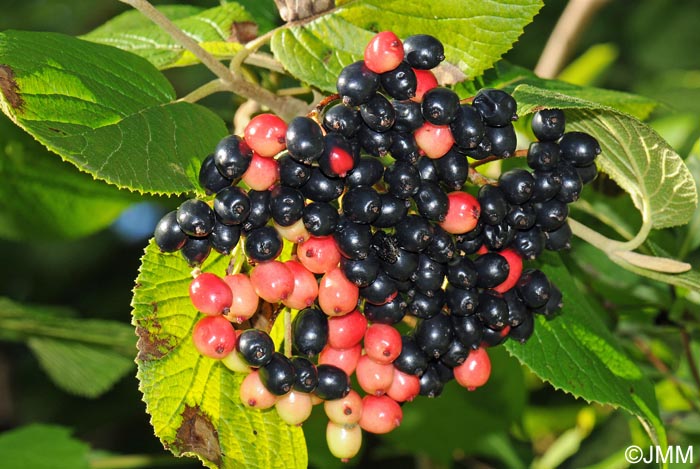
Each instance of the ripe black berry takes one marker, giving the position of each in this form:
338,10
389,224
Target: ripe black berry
278,374
434,335
353,239
361,272
534,288
497,237
263,244
343,120
442,247
524,330
210,178
496,107
403,179
373,142
391,312
411,360
579,148
547,185
521,217
494,206
571,183
321,188
427,169
491,268
551,214
367,172
378,113
429,276
232,205
168,235
517,310
232,157
554,303
548,124
423,51
413,233
404,147
306,376
393,209
320,218
468,330
452,169
310,331
517,185
256,347
440,106
492,310
467,127
559,239
224,238
430,383
587,173
543,156
293,173
431,201
456,354
259,210
362,204
333,383
423,306
462,273
408,116
400,83
357,83
382,290
304,140
503,140
529,243
286,205
401,265
195,250
195,218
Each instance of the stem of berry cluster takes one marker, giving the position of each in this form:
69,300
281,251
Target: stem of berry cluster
286,107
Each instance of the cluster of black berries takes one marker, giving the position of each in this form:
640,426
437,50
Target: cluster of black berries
370,190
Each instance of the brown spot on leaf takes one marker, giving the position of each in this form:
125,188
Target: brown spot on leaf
9,88
243,31
198,435
149,345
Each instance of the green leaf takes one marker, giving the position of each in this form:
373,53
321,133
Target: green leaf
475,33
576,353
43,198
509,77
211,28
633,155
193,400
107,111
692,234
82,356
40,446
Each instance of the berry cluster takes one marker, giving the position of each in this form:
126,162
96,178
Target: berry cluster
401,275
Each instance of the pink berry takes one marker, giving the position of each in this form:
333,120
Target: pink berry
475,371
374,378
515,262
434,140
214,336
345,359
210,294
336,294
380,414
244,298
382,343
404,387
253,392
294,407
344,441
319,254
272,280
262,173
425,80
265,134
384,52
305,287
346,410
463,212
346,331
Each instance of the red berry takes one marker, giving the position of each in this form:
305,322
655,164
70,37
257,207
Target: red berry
336,294
265,134
214,336
515,262
345,359
346,331
384,52
425,80
244,298
210,294
374,378
346,410
404,387
380,414
382,343
262,173
344,441
463,212
253,392
319,254
272,280
340,161
475,370
434,140
305,287
294,407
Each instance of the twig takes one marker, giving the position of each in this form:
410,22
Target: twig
285,107
565,35
475,177
203,91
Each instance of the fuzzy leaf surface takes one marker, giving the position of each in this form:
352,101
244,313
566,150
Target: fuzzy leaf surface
213,29
109,112
475,33
193,400
576,353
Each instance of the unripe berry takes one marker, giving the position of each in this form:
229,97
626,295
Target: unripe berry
344,441
404,387
515,261
380,414
262,173
462,213
305,287
272,280
475,371
319,254
374,378
265,134
253,392
382,343
434,140
384,52
347,330
345,359
244,301
346,410
210,294
336,294
214,336
294,407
